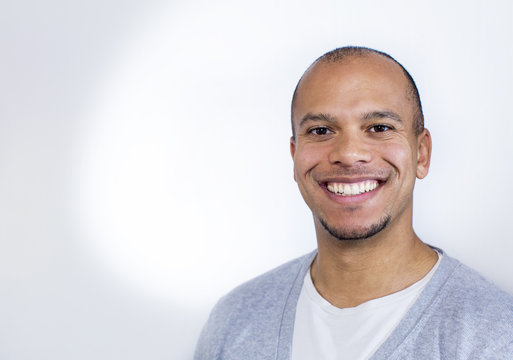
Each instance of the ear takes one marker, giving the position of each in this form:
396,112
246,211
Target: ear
423,153
293,152
292,147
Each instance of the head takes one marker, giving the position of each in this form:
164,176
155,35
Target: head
358,143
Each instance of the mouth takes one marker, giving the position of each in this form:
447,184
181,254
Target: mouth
353,188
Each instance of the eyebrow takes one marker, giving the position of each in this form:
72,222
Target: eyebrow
379,114
382,115
316,117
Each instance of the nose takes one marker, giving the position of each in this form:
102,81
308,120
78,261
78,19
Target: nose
350,149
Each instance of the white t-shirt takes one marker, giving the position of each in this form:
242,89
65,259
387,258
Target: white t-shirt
323,331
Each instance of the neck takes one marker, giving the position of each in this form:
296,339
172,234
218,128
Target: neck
348,273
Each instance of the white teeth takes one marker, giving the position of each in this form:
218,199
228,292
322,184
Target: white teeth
353,188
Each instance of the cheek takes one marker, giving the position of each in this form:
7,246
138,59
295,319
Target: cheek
399,155
306,158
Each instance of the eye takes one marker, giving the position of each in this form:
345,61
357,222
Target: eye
319,131
380,128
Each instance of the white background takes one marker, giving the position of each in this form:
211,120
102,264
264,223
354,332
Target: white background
144,162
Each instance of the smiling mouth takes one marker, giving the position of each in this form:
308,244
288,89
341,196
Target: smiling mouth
352,189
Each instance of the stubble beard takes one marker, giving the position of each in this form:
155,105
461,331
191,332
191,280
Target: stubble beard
356,234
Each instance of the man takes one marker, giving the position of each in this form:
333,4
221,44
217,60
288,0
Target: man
372,289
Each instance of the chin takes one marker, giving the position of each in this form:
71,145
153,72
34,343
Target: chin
356,233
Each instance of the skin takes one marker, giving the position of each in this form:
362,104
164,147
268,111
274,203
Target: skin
354,121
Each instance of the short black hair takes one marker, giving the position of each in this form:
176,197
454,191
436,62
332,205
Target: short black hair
347,52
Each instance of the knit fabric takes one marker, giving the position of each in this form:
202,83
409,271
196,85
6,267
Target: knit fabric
459,315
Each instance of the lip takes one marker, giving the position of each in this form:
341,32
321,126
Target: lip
352,198
350,180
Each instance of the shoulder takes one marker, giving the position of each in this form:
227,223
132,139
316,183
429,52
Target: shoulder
267,286
468,292
251,312
469,317
459,315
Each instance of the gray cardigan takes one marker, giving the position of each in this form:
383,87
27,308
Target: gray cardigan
459,315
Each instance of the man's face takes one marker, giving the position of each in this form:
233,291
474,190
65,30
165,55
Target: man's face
355,152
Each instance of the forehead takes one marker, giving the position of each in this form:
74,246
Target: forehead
354,84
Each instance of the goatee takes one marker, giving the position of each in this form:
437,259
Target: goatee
356,234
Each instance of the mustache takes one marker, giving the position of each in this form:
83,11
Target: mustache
357,171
